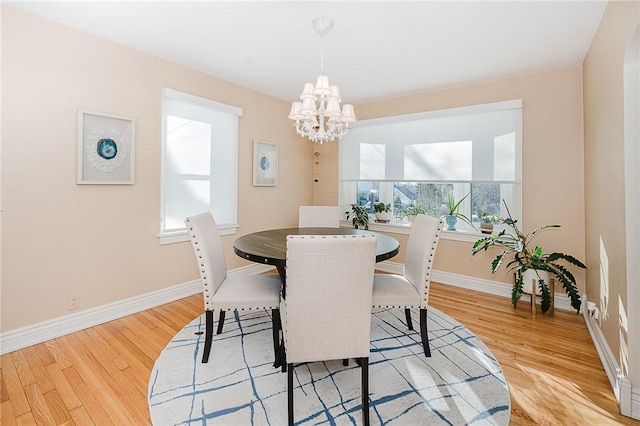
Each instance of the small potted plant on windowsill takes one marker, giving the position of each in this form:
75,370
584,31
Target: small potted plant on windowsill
410,211
383,212
452,213
486,223
527,258
359,216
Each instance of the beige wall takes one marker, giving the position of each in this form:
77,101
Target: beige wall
100,242
326,173
553,174
604,161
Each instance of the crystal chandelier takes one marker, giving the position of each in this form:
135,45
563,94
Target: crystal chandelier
318,116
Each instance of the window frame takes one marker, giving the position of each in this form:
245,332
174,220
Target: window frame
514,200
231,174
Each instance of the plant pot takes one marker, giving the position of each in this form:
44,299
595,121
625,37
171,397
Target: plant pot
532,274
451,222
486,227
384,217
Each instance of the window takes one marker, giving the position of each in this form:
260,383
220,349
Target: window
419,159
199,163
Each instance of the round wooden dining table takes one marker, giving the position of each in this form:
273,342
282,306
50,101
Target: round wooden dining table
270,247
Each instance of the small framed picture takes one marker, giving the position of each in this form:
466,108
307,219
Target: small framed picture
265,163
106,148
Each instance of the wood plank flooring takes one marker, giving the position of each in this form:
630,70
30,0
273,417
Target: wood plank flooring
99,376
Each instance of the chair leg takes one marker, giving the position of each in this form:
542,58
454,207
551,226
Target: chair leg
282,359
423,332
364,365
220,321
407,314
208,335
290,393
275,327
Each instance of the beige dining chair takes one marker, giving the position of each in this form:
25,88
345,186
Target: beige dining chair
319,216
327,312
411,289
228,293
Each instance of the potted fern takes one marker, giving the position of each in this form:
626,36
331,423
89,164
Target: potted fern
524,256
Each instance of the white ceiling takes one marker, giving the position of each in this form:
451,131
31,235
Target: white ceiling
376,49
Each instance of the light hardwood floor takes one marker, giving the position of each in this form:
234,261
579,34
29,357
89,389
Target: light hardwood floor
99,375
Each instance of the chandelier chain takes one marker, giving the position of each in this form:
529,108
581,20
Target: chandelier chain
322,54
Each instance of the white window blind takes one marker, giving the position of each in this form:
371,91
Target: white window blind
418,159
479,143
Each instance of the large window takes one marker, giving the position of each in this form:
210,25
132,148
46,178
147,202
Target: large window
422,159
199,163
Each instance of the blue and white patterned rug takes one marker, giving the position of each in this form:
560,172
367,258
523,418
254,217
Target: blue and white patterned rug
461,384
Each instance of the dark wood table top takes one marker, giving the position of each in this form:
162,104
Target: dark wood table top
270,247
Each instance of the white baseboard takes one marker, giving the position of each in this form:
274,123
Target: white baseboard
46,330
628,397
609,361
562,301
40,332
495,288
36,333
389,267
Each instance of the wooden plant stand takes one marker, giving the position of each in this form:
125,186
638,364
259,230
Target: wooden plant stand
552,290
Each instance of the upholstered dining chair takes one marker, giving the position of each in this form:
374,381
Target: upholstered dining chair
411,289
228,293
319,216
327,312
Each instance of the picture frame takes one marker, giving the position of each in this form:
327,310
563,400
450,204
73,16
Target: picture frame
106,149
265,163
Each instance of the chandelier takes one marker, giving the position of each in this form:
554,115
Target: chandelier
318,116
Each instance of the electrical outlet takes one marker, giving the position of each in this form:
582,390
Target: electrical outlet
74,301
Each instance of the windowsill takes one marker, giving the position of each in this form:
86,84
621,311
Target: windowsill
395,228
182,235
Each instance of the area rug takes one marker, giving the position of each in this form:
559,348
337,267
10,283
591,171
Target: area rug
460,384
